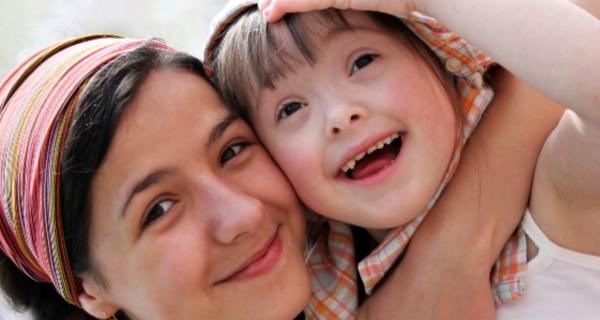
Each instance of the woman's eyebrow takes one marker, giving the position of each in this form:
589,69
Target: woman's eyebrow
158,175
151,179
218,130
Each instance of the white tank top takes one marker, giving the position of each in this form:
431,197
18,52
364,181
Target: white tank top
560,283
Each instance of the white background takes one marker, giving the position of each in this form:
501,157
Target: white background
26,25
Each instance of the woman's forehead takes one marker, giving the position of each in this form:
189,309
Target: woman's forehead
167,125
172,110
168,92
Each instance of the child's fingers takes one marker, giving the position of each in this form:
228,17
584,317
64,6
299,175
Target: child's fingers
262,4
273,10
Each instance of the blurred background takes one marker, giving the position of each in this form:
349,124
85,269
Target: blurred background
26,25
29,24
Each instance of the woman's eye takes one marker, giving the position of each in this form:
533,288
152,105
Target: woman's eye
288,109
362,62
231,152
157,211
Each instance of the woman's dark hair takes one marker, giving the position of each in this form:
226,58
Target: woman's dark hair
99,107
252,55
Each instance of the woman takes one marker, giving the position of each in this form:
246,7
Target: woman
223,236
129,187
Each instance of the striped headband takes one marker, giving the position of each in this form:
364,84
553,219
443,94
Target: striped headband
37,103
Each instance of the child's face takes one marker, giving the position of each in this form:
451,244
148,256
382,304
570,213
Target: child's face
367,92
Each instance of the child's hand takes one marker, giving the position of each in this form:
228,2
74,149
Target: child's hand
273,10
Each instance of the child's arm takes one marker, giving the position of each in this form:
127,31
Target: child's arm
445,272
551,44
554,45
273,10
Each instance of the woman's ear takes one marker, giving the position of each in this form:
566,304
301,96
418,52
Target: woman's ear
93,299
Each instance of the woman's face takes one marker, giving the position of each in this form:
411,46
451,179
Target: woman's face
190,217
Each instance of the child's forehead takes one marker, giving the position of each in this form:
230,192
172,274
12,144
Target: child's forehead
320,25
316,30
291,45
300,40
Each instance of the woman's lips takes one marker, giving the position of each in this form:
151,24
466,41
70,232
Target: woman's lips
260,263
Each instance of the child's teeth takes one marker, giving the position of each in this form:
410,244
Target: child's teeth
379,145
351,164
360,156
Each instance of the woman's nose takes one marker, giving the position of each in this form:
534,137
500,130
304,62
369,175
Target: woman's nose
235,214
343,118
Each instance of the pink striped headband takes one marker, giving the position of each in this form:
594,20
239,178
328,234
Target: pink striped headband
37,101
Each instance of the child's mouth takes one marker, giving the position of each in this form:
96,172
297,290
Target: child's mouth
378,157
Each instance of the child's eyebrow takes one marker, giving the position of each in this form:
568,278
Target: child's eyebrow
338,31
259,97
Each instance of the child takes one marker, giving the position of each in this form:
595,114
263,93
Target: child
365,106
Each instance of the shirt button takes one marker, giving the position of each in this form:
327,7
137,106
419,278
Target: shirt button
453,65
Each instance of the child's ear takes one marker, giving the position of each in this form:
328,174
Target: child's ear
94,301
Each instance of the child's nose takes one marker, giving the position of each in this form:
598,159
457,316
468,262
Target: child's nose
344,118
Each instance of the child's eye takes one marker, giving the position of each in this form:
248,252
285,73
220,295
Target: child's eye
157,211
362,61
231,152
288,109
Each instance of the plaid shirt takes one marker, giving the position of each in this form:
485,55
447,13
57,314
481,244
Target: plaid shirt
331,258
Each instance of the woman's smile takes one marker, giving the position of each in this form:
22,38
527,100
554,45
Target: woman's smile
264,260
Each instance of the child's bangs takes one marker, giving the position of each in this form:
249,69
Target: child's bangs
296,37
252,56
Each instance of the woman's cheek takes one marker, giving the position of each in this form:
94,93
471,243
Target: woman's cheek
180,259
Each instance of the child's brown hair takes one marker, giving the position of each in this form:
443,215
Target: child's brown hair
251,55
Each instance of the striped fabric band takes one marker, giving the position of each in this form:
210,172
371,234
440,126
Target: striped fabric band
37,102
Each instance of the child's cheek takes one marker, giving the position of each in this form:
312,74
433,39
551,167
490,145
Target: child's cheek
301,165
297,166
400,96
